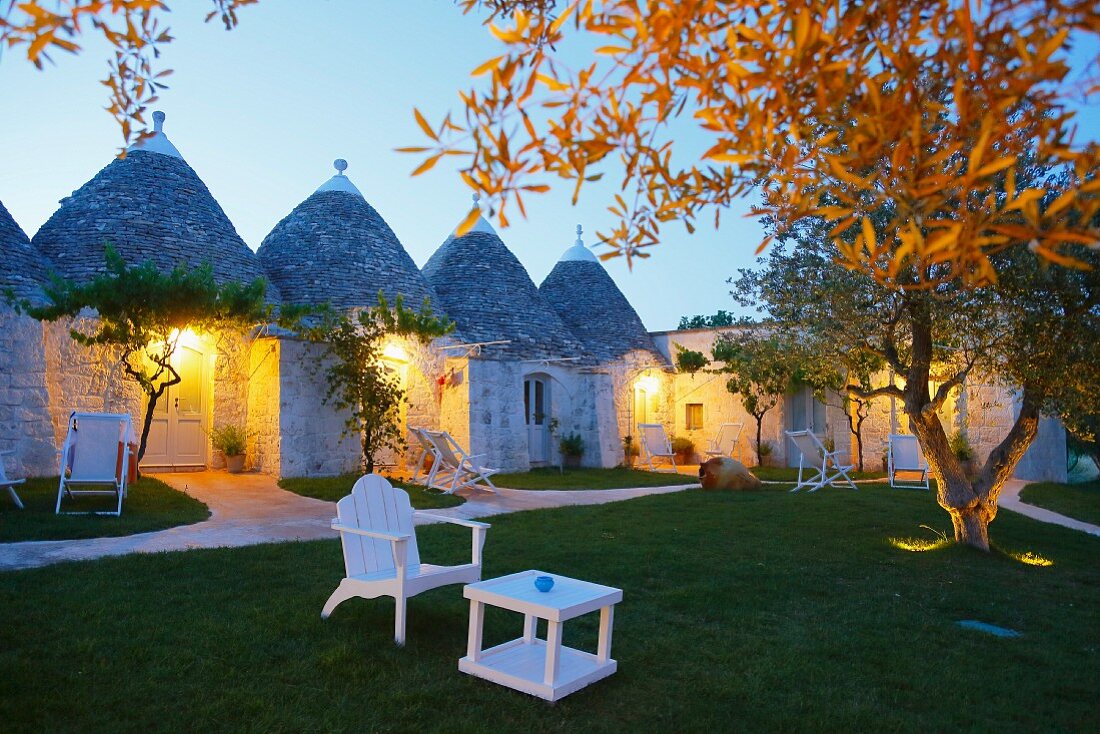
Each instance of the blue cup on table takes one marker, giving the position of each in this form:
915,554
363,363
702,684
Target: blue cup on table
544,583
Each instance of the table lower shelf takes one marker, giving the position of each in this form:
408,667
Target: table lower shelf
522,665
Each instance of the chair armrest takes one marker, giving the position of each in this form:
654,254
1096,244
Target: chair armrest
452,520
392,537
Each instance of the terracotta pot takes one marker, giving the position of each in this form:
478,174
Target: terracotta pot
235,464
684,457
628,460
572,462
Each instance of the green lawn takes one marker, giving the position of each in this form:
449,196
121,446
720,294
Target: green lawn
333,489
747,611
790,474
617,478
1079,501
149,505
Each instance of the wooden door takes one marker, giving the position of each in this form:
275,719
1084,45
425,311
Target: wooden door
176,436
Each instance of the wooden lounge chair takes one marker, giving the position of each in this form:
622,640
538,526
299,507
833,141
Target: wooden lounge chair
727,441
904,457
96,456
381,558
656,445
9,484
822,467
454,468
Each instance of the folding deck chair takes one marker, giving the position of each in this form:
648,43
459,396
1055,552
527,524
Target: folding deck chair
426,450
9,484
904,456
96,455
727,441
656,444
818,463
453,468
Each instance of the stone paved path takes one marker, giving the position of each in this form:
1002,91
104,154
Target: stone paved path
1010,499
247,509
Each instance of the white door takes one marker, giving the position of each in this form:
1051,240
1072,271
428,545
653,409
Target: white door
804,413
176,438
536,408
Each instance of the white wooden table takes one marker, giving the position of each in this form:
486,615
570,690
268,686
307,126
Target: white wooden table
543,668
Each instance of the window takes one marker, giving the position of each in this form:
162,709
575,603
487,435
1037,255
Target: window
694,416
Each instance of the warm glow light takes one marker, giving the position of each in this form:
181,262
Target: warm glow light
187,338
394,352
1032,559
917,545
648,383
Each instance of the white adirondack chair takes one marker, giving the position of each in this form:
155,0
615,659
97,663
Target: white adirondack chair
96,454
426,450
656,445
822,467
454,468
9,484
904,456
375,523
727,441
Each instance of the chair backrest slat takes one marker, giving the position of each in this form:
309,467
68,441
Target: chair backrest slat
423,440
446,448
376,505
654,439
807,443
906,452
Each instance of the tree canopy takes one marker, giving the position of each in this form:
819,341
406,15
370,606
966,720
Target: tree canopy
932,100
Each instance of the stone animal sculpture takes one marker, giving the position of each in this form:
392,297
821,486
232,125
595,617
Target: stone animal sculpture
726,473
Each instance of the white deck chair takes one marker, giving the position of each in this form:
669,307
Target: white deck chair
9,484
381,558
454,468
818,463
904,456
96,454
727,441
426,450
656,445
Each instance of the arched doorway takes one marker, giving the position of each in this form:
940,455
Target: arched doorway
536,411
177,434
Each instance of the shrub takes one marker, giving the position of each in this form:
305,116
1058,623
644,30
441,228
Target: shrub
764,449
571,444
231,440
629,447
681,445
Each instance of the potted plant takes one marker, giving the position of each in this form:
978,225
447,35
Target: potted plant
963,451
684,449
231,440
630,451
763,453
571,446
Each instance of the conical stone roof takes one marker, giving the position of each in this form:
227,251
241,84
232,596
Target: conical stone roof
592,306
335,247
485,289
22,268
150,206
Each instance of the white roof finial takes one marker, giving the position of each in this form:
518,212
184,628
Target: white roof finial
340,182
158,122
477,199
340,165
578,252
158,142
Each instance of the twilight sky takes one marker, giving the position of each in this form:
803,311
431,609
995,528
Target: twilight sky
261,112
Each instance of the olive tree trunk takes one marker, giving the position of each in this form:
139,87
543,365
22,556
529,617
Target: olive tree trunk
971,503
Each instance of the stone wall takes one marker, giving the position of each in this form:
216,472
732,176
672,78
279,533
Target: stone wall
454,400
26,427
497,427
312,441
263,406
